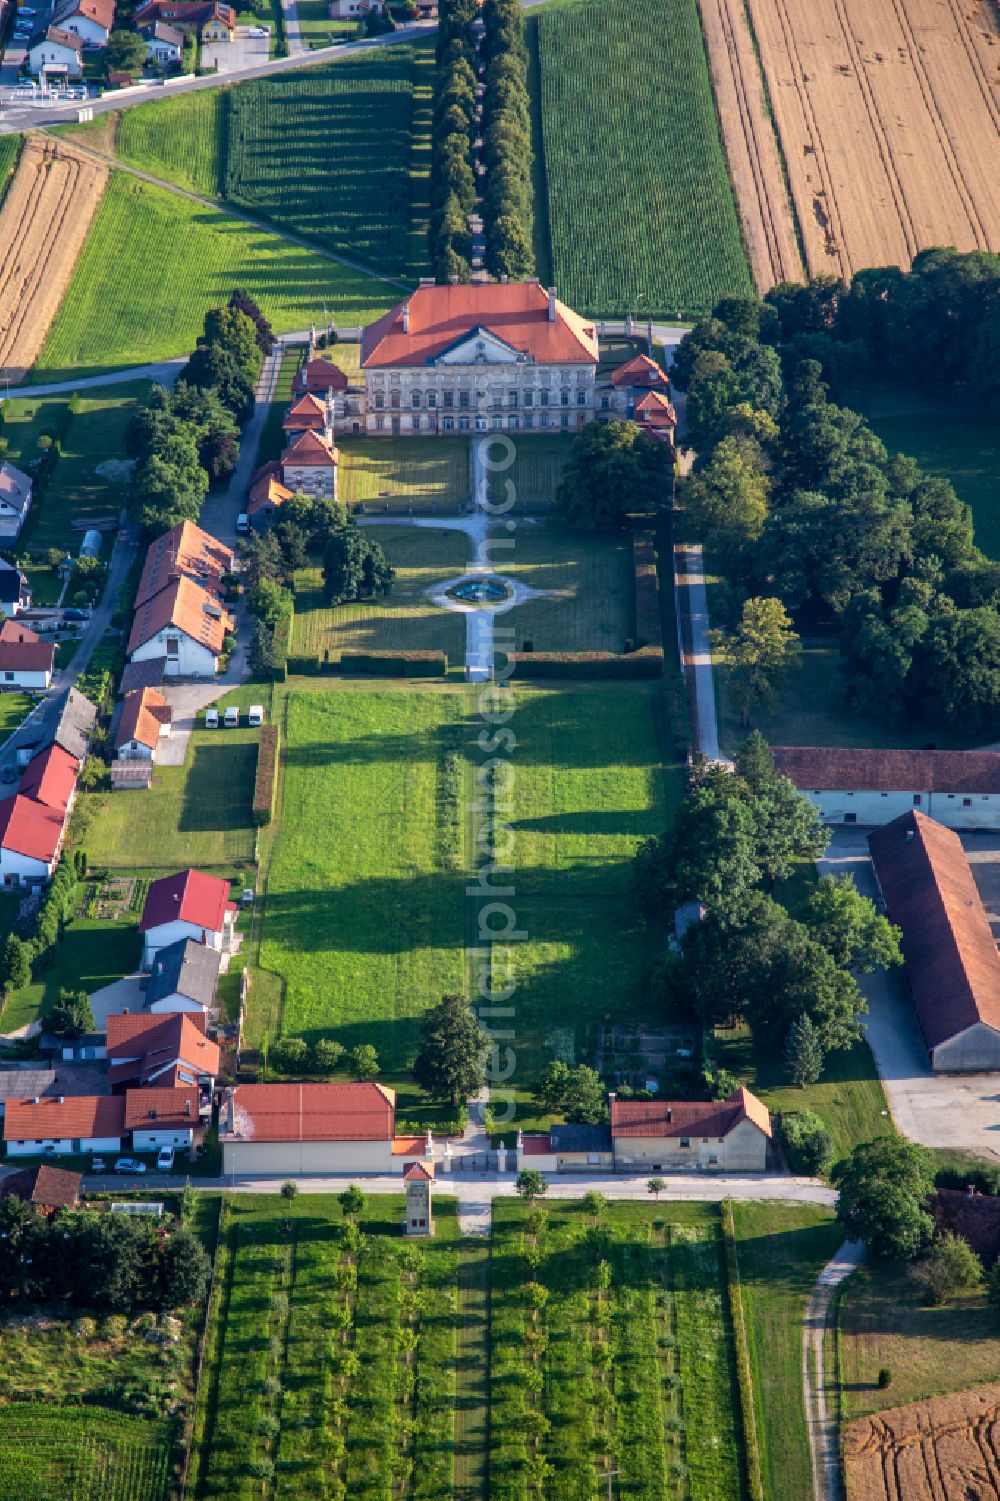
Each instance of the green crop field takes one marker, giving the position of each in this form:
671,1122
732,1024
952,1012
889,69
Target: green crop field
10,146
84,1453
297,148
612,1348
154,263
330,1355
641,211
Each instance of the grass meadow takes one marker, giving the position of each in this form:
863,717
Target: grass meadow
330,1355
612,1348
154,263
641,212
431,475
592,581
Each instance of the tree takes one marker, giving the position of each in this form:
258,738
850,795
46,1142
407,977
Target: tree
612,470
947,1266
757,651
848,926
290,1055
884,1190
585,1100
594,1204
184,1271
809,1146
327,1054
70,1015
289,1189
552,1087
452,1053
803,1054
15,967
126,52
656,1186
114,1262
354,565
352,1202
364,1061
727,500
530,1185
709,851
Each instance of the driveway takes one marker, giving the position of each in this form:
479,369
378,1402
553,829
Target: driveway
961,1112
244,51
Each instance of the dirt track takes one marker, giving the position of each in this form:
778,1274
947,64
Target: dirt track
889,118
751,148
945,1449
43,224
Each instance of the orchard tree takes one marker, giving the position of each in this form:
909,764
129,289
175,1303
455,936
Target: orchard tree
656,1186
451,1058
352,1202
552,1087
885,1188
531,1185
948,1266
586,1099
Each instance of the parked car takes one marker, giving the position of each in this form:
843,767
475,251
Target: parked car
75,614
129,1165
258,31
243,522
232,718
211,719
255,715
165,1159
8,774
98,1165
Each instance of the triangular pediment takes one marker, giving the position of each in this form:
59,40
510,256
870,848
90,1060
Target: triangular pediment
479,347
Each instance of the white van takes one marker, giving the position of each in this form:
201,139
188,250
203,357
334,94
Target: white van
243,522
255,715
211,719
232,717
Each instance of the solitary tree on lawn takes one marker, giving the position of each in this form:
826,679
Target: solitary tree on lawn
451,1059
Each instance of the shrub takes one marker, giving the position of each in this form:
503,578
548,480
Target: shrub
327,1054
401,664
265,781
946,1267
290,1055
808,1144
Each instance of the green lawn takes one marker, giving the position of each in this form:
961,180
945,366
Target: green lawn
13,708
393,474
196,814
406,620
927,1350
329,1355
90,954
154,263
535,473
272,439
781,1249
594,583
637,75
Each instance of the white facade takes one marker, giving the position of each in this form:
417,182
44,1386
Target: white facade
975,1050
161,51
21,870
956,810
172,932
741,1150
314,480
290,1157
53,57
135,750
168,1136
19,677
63,1146
169,1004
86,27
184,656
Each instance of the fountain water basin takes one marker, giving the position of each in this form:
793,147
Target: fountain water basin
481,592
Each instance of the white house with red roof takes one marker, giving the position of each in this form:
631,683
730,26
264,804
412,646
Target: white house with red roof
161,1118
491,357
639,391
719,1136
61,1124
309,1128
33,821
189,904
26,661
148,1050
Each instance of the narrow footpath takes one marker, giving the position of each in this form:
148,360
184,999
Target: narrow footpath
824,1439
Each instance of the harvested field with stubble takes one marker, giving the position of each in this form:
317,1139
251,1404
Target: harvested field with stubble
43,223
888,114
750,144
947,1449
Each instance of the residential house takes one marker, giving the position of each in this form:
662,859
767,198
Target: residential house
26,661
164,43
343,10
189,904
67,721
56,54
65,1124
213,22
26,1083
15,591
162,1052
266,496
92,20
185,551
47,1189
15,501
33,821
655,414
951,956
308,1128
161,1118
727,1136
220,26
960,789
186,626
566,1149
487,357
184,976
145,720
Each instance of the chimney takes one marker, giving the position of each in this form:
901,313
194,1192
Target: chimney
670,1114
187,1107
60,1099
504,279
552,304
36,1099
406,317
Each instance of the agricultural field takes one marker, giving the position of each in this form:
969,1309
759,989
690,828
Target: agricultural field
641,212
294,148
755,165
946,1447
404,621
590,578
44,219
391,475
88,1453
780,1251
612,1348
899,97
10,146
363,912
154,263
330,1355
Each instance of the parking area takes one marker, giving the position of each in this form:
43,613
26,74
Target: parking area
244,51
959,1112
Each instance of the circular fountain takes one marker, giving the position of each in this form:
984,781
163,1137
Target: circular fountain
482,592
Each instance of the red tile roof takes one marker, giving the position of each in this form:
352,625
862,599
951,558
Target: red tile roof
305,412
640,370
191,609
78,1115
516,312
50,778
268,490
320,376
48,1187
29,828
156,1109
419,1172
13,630
846,770
536,1144
655,410
670,1118
144,712
27,655
189,896
311,449
312,1112
185,551
950,952
167,1046
101,11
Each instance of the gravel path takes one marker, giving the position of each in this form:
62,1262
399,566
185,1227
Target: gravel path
824,1446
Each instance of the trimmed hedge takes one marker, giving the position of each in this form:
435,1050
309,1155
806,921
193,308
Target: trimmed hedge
648,624
395,664
266,780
